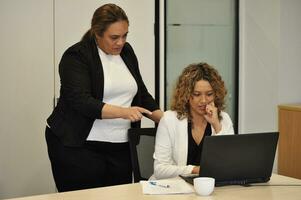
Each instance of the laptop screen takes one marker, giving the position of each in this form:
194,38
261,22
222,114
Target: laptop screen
239,159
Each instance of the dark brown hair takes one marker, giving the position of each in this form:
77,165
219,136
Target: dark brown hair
103,17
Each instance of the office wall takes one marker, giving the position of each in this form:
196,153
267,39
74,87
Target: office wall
33,36
270,62
259,63
26,84
289,73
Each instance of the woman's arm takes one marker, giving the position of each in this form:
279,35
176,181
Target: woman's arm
156,115
164,164
226,125
145,99
76,89
133,114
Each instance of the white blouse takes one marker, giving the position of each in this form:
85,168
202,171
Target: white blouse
120,88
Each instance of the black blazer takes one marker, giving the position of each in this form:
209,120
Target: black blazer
81,92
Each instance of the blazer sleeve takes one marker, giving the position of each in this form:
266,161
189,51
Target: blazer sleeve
75,73
227,125
165,166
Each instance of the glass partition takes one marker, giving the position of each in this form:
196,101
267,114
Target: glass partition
202,31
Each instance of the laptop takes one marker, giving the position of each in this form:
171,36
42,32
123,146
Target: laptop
238,159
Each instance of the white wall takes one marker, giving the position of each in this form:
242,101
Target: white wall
270,62
27,86
259,62
289,73
33,36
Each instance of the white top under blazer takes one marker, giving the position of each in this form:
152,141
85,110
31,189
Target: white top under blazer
120,89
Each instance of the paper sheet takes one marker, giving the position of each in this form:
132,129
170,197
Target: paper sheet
175,186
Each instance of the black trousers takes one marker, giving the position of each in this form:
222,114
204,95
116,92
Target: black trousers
96,164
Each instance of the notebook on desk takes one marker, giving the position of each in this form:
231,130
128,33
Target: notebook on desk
238,159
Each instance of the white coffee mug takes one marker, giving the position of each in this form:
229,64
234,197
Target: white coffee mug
204,186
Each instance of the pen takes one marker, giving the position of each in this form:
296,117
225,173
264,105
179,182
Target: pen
160,185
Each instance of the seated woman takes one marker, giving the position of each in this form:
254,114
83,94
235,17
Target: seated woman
196,111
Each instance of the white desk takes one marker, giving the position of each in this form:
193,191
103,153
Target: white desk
134,192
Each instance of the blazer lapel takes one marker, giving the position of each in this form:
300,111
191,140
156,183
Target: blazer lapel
97,72
127,60
183,142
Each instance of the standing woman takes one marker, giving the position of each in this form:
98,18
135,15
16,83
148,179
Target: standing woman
196,111
102,95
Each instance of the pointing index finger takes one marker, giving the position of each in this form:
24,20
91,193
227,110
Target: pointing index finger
143,110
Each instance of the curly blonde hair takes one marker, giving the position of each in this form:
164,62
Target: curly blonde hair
185,87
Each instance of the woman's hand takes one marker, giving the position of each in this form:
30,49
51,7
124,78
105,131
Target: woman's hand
211,116
134,113
196,170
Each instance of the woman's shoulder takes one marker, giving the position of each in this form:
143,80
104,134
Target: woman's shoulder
128,51
223,113
127,46
172,116
82,46
225,116
83,50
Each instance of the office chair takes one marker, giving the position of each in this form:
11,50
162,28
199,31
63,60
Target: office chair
142,146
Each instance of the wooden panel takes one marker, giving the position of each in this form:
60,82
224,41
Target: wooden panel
289,154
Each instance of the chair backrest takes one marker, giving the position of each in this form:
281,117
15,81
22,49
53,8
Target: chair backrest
142,146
